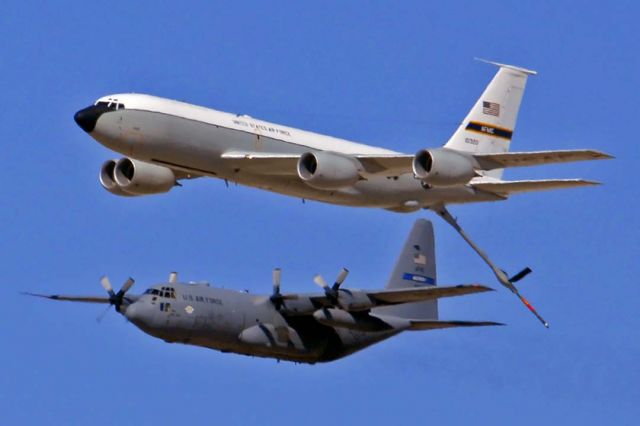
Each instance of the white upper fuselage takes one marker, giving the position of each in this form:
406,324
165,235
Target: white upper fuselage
243,123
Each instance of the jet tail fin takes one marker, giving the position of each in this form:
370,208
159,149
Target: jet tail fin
489,126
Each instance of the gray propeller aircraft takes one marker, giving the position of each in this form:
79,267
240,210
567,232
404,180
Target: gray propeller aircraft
165,141
306,328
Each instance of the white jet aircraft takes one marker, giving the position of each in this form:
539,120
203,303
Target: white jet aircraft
164,141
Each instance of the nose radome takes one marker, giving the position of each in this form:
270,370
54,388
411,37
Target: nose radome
133,312
88,117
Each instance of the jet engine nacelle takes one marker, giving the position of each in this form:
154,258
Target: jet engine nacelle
326,170
444,167
129,177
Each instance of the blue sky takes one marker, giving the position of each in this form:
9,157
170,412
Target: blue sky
398,75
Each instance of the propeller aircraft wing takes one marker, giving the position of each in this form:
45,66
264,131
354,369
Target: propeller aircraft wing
117,300
352,300
86,299
418,294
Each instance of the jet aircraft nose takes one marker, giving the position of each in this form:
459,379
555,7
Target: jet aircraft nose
88,117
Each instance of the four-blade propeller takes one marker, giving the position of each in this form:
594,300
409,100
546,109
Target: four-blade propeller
115,299
332,292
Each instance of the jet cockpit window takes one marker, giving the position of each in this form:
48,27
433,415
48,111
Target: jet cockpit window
111,104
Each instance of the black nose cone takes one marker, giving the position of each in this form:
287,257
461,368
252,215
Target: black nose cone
88,117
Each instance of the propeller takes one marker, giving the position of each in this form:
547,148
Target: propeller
332,292
115,299
276,297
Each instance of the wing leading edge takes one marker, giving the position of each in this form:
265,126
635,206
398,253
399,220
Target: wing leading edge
399,164
285,164
86,299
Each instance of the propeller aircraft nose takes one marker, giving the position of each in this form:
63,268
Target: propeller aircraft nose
133,312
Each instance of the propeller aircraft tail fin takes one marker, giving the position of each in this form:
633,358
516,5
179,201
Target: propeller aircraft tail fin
415,268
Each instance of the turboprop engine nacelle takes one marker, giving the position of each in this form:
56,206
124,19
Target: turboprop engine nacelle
333,317
354,300
129,177
326,170
444,167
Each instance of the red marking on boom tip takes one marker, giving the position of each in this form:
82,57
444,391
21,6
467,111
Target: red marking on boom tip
528,305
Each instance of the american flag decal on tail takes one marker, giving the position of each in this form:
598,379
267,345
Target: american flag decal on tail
491,108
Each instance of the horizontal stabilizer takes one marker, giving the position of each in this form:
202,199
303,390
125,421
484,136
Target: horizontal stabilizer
505,188
521,159
86,299
417,325
417,294
511,67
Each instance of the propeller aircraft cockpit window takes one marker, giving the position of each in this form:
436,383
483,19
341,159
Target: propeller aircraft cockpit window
168,292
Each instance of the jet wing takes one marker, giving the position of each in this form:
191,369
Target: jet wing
286,164
505,188
271,163
386,164
396,164
535,158
87,299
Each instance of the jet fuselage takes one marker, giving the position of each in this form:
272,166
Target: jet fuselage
193,139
